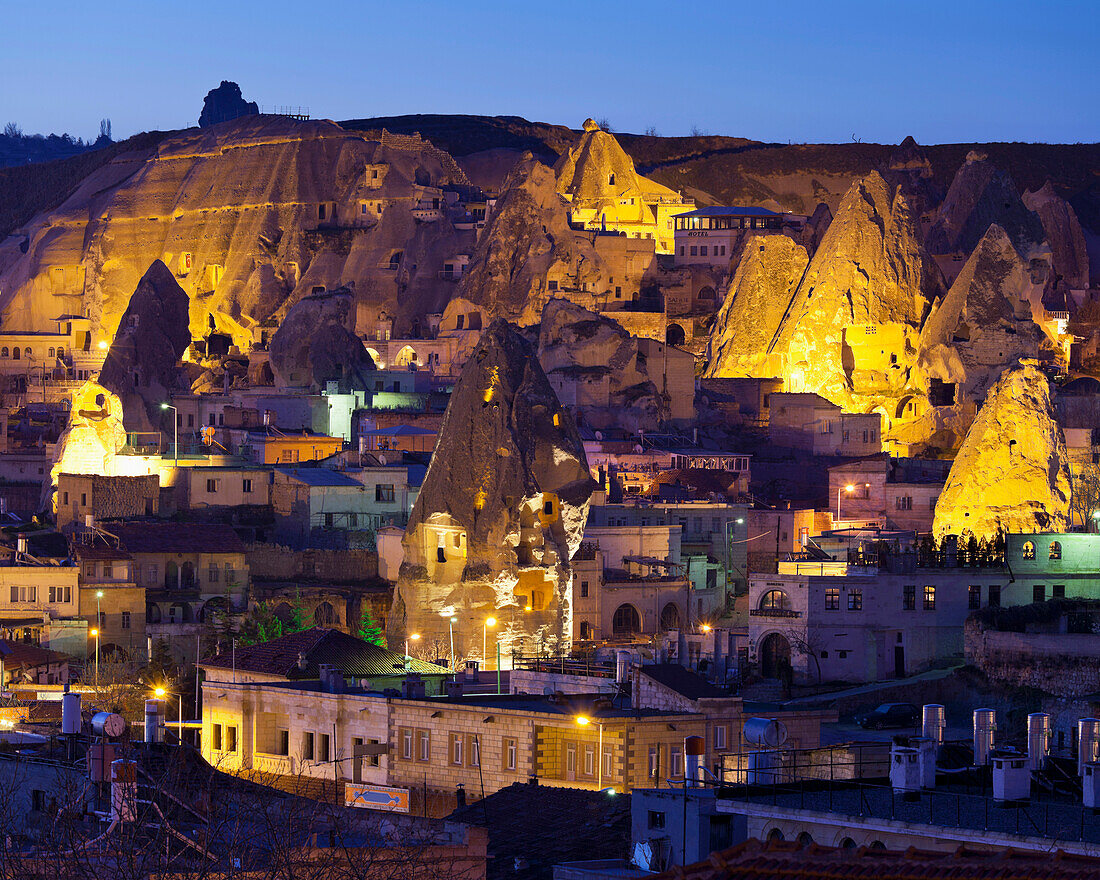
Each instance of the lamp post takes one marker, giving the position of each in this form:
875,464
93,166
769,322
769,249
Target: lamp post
95,634
175,430
489,621
160,693
413,637
451,625
849,489
584,721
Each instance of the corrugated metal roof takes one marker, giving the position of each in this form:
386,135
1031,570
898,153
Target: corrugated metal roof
730,211
319,476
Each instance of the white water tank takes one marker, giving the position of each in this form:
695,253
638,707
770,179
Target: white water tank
622,666
934,722
765,768
694,749
123,790
985,723
1088,737
765,732
904,768
1038,739
926,759
1011,778
70,713
1090,785
154,721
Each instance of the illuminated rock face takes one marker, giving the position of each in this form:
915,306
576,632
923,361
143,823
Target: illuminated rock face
141,367
501,511
981,194
592,363
606,192
94,435
250,216
315,344
758,297
850,333
983,323
1063,234
1012,472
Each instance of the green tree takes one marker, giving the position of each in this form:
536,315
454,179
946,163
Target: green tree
370,630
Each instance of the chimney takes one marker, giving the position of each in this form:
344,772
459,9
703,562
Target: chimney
460,796
1038,739
1011,779
934,722
332,679
905,770
412,686
694,747
471,670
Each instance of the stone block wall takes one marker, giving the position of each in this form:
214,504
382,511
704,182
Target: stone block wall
1060,664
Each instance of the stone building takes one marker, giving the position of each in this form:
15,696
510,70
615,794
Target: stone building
82,495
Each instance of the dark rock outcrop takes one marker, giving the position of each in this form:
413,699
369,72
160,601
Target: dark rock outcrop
1064,235
142,365
224,103
314,345
501,511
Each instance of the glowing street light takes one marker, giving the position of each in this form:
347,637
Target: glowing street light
175,430
413,637
584,721
451,625
706,628
489,621
95,634
160,693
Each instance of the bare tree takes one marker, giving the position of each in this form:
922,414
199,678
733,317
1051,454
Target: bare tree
807,644
1085,498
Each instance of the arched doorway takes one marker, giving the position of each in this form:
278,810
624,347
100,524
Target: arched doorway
152,612
775,835
626,621
670,617
675,335
775,654
187,576
325,615
406,357
217,605
707,295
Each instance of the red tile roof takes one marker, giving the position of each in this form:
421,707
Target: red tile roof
19,655
779,860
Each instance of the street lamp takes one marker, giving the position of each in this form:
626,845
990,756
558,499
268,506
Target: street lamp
489,621
95,634
849,489
584,721
451,625
175,430
160,693
414,637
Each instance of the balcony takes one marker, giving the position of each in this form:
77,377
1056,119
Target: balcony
774,612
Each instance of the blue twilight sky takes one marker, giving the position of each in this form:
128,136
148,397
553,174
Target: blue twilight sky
819,71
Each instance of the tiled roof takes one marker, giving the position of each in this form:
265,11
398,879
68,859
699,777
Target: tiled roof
19,655
352,656
682,680
730,210
779,860
174,537
544,826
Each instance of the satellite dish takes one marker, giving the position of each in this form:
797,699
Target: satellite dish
599,435
643,855
381,458
638,448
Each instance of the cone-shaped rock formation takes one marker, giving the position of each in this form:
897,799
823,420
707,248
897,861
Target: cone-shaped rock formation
315,345
501,511
1012,472
1064,235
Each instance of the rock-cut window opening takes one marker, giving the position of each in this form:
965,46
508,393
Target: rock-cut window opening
1028,550
1055,550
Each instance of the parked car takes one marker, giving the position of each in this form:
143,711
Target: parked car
890,715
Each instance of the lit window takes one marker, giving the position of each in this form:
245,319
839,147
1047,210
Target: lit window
1055,550
832,599
855,600
929,598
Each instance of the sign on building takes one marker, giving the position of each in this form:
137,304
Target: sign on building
376,797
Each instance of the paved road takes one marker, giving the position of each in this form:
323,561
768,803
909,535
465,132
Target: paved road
871,689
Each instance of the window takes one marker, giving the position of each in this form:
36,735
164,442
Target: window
676,761
108,570
230,573
322,752
855,600
217,731
589,760
456,749
552,285
975,596
510,753
843,655
608,762
1058,591
719,736
473,748
909,597
1039,593
282,742
154,573
584,589
832,598
213,574
373,760
383,493
654,762
548,508
929,598
407,744
307,746
1055,551
246,486
1028,550
38,800
230,738
212,486
694,251
656,819
586,630
703,251
774,600
125,619
83,499
903,502
994,600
